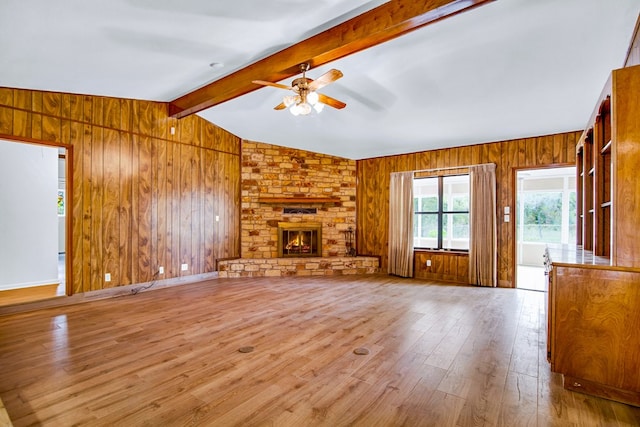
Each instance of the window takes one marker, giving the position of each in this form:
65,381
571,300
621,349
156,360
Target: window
441,212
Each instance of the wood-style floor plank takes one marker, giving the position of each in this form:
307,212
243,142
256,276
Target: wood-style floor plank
5,421
438,356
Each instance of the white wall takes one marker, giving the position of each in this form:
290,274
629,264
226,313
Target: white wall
531,254
28,215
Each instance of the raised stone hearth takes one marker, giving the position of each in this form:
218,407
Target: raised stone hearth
276,267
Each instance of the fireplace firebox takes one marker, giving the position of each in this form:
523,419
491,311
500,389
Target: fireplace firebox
299,239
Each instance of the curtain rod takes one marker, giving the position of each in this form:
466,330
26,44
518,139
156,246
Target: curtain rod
451,167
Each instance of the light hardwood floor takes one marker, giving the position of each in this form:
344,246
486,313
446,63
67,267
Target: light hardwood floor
439,356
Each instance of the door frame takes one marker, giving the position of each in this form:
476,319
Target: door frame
68,191
514,195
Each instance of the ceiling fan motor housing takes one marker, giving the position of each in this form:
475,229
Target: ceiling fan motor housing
301,83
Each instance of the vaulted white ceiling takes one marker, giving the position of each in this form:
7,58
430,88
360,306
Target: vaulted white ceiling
508,69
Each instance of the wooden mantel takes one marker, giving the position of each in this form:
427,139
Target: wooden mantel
290,200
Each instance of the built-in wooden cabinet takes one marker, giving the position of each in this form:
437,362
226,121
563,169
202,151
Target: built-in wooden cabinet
602,179
594,313
584,154
625,167
593,155
594,294
608,162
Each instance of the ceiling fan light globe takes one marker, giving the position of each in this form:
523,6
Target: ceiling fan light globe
295,109
318,107
289,100
304,108
312,98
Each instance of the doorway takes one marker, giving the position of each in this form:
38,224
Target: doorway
545,216
33,222
62,221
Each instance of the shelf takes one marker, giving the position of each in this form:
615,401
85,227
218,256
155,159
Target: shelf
607,156
289,200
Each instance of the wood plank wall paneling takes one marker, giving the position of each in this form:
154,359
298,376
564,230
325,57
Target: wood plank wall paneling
142,196
445,266
373,186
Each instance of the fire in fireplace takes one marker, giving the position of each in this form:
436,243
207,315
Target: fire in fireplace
299,239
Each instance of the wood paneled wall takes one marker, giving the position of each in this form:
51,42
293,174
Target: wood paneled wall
142,195
450,267
373,186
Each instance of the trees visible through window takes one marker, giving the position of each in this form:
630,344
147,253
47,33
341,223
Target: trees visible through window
546,216
441,209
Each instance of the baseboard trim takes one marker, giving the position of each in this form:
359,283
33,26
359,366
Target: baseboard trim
28,294
604,391
119,291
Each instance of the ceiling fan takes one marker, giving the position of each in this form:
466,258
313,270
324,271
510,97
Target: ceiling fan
306,96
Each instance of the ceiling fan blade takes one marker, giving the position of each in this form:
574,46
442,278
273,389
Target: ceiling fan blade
328,77
280,106
278,85
331,102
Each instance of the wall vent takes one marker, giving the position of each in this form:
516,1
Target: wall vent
304,211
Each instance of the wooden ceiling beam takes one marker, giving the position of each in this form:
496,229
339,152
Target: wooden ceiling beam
383,23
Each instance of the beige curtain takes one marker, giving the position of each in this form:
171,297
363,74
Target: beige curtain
483,258
401,224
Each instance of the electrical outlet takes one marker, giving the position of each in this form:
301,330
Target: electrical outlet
184,267
428,263
217,218
107,277
161,270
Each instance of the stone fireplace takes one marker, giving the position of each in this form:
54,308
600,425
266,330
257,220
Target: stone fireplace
299,239
314,196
